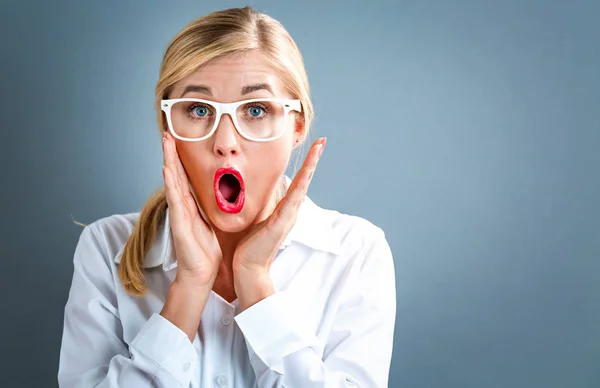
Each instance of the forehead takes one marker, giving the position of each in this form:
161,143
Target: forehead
228,75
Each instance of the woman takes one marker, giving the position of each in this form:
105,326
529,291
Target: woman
230,276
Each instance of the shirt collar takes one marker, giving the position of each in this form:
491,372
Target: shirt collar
312,229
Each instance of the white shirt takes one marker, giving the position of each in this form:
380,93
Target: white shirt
329,324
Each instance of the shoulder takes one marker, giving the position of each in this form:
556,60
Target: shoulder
352,234
115,227
362,250
107,235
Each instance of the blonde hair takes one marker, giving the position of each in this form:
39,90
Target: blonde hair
231,31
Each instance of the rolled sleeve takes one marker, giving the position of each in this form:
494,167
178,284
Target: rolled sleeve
168,346
359,342
160,355
273,331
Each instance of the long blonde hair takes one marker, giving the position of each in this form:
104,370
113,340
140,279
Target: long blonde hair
220,33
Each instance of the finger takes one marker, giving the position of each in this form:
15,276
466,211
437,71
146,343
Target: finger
186,189
173,198
173,160
182,183
195,204
167,159
181,173
287,209
299,186
164,149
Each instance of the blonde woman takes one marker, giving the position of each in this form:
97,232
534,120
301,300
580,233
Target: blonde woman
230,276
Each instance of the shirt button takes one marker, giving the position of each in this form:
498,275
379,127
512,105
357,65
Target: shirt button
221,381
226,320
186,366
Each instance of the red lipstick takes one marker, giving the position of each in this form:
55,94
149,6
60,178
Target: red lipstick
230,190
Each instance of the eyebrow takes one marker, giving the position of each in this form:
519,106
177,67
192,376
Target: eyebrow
253,88
198,89
245,90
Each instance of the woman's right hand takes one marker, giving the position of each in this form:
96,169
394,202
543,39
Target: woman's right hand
196,246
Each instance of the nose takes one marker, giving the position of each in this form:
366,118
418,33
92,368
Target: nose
226,138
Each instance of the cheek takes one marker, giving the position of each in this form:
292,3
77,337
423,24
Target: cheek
195,162
271,159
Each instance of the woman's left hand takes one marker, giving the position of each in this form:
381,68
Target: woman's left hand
256,251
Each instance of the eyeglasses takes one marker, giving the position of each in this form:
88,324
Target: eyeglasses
260,119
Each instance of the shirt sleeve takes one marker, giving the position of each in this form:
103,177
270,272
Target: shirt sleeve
93,353
359,347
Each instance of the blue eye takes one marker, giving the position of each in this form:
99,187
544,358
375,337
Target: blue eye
255,110
201,111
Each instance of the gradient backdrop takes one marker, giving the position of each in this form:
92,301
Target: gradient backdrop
468,130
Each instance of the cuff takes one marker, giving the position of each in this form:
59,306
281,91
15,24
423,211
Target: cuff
167,346
274,328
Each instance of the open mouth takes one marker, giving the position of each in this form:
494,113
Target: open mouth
229,190
229,187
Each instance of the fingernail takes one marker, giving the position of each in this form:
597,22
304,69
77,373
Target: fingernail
321,147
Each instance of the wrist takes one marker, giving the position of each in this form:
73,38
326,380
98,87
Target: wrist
251,273
184,306
192,283
252,287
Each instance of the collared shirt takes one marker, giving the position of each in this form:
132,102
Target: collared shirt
330,322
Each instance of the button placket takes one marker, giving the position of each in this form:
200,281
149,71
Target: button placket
223,319
221,381
226,320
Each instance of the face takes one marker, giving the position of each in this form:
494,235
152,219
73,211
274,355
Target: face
260,164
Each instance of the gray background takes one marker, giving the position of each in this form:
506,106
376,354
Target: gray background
468,130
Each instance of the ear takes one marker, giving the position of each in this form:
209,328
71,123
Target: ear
299,132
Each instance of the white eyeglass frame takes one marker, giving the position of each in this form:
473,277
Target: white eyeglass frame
230,109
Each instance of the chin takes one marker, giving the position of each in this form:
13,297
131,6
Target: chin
229,223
